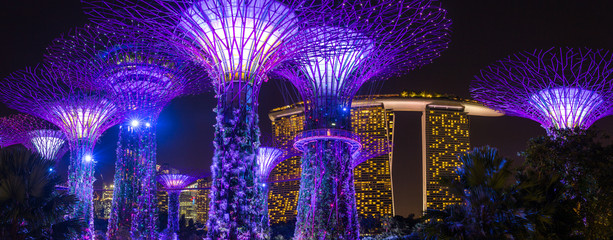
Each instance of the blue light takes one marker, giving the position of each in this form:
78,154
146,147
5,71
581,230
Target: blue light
263,184
50,169
134,123
88,158
147,124
345,109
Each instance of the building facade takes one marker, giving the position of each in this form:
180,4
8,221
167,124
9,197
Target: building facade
202,200
445,134
103,202
188,203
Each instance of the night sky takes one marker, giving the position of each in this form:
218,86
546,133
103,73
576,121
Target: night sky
483,32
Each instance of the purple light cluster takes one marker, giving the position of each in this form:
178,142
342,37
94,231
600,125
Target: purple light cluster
268,158
238,42
174,184
355,42
82,114
34,133
145,75
560,88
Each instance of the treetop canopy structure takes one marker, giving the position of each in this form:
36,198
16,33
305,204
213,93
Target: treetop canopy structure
268,158
355,42
36,134
129,60
561,88
145,74
238,42
81,113
174,184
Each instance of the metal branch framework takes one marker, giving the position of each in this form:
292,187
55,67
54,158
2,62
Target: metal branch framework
174,184
268,158
145,74
238,42
560,88
82,114
36,134
356,42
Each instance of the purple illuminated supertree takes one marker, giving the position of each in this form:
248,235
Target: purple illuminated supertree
267,158
145,75
82,114
561,88
174,184
238,42
358,41
34,133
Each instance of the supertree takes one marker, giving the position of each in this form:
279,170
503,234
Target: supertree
560,88
82,114
238,42
36,134
146,75
267,158
358,41
174,184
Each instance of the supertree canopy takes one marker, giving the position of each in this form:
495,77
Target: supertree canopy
174,184
357,42
82,114
237,42
267,158
561,88
36,134
145,75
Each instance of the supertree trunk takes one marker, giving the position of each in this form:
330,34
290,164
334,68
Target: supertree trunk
326,204
80,183
173,211
235,203
264,222
124,192
145,219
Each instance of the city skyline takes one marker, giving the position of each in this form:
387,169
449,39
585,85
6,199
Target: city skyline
185,130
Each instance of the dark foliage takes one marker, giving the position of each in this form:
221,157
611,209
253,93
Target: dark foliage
30,206
284,230
578,165
489,203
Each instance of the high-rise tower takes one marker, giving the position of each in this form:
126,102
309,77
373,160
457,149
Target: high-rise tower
445,133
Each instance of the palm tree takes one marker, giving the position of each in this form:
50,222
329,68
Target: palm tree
29,202
489,206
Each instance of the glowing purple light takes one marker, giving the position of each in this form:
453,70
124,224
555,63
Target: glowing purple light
566,107
34,133
175,181
561,88
47,142
174,184
344,51
84,121
361,41
267,159
241,36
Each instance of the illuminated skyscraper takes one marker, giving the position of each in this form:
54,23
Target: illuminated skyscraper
187,203
202,200
444,134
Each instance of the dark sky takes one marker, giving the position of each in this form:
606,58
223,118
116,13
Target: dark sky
483,32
